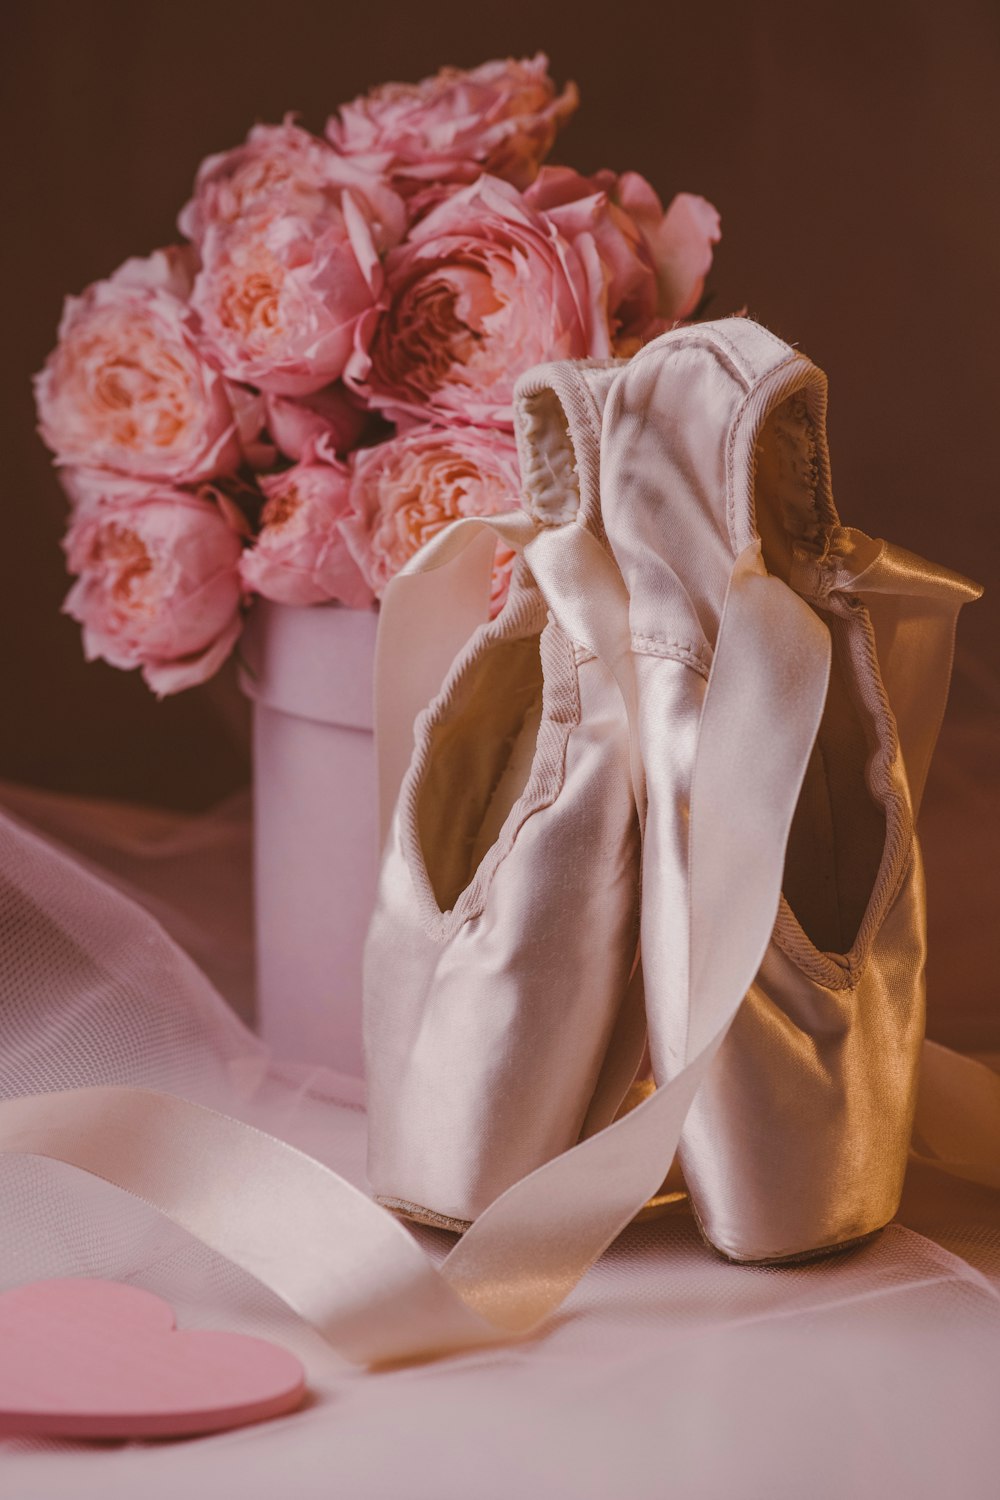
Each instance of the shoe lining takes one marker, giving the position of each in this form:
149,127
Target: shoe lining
550,478
837,848
838,833
474,779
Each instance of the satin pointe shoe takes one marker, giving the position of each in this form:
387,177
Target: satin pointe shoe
714,442
505,929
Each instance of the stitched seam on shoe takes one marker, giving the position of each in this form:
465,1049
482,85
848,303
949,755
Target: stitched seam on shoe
538,477
575,395
719,344
736,358
808,388
584,403
679,651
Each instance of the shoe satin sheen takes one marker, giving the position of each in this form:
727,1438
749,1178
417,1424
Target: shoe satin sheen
783,1029
487,1020
487,1023
796,1143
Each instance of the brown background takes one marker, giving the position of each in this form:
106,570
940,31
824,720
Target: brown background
851,149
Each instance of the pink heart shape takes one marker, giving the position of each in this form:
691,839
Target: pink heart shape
99,1359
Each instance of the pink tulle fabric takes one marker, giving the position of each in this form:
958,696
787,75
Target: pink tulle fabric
667,1370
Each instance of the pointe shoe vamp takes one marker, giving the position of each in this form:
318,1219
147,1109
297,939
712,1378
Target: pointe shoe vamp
798,1138
484,1044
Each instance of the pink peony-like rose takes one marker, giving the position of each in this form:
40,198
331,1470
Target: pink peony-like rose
405,490
157,585
283,169
610,246
301,556
500,118
324,425
653,263
126,388
680,242
484,287
288,303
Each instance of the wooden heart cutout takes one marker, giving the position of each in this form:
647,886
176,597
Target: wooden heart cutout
83,1358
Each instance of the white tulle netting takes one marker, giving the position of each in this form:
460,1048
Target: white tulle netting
667,1370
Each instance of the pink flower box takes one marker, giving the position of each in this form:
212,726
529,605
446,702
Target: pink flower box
309,673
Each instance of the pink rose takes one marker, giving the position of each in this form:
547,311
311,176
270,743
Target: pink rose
500,118
653,264
126,387
484,287
609,244
405,490
300,556
283,169
288,303
157,587
328,423
680,243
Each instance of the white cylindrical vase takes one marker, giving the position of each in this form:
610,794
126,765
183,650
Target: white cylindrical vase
309,672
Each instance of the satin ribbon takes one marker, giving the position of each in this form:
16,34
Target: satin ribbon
333,1255
347,1265
442,595
913,606
957,1124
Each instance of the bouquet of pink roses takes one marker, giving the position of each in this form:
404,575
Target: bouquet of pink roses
320,377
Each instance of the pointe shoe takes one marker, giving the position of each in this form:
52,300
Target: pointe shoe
796,1144
505,930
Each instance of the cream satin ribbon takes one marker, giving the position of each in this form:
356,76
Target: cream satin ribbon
441,596
347,1265
957,1124
913,607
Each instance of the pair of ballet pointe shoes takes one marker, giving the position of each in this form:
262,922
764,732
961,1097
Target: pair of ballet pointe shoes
690,638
